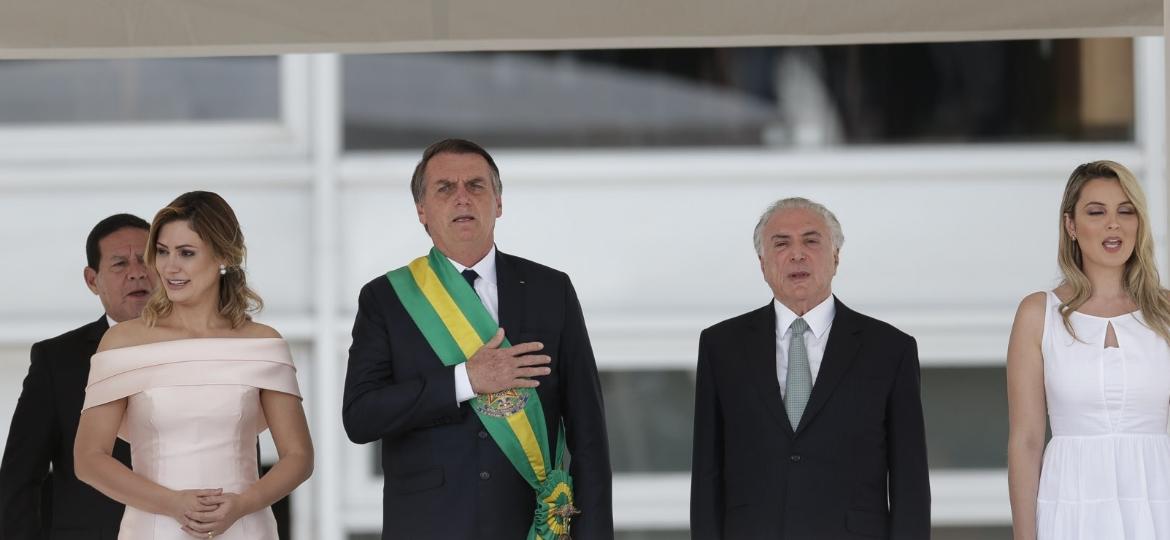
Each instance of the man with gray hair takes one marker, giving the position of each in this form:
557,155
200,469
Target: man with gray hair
841,450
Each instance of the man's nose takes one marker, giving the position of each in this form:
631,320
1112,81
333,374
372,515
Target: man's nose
462,196
137,270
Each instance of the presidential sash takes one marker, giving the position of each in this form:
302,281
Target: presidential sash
456,325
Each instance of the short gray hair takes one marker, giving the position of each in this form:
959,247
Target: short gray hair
798,203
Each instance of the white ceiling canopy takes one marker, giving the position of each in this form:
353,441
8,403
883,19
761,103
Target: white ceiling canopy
142,28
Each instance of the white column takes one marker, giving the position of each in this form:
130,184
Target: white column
325,146
1150,120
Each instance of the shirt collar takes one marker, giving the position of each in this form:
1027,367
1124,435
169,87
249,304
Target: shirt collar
110,320
486,267
819,318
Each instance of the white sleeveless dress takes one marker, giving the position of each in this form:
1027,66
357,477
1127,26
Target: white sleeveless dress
1106,471
192,418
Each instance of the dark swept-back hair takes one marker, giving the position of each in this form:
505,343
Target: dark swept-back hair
210,217
451,146
106,227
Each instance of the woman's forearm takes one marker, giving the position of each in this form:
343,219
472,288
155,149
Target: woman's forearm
116,481
1024,462
288,473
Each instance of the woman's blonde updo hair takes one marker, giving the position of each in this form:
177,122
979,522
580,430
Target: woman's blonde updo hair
1141,279
210,217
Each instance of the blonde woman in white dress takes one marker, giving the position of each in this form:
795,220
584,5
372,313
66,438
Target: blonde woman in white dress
1092,356
190,385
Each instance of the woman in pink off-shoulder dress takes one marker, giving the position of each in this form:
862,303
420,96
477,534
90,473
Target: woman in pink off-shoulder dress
190,385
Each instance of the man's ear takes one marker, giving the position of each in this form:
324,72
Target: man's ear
422,216
836,257
91,279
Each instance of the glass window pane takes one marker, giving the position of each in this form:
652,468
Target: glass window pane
971,533
650,418
151,90
966,417
652,535
1045,90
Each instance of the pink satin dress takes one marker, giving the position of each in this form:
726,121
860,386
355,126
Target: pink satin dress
192,418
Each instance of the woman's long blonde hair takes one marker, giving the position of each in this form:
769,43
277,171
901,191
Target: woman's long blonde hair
1141,272
210,217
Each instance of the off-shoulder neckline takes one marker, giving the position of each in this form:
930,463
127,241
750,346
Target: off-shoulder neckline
210,338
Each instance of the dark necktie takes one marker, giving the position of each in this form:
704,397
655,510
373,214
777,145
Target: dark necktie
470,275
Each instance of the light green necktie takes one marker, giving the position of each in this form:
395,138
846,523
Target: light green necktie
798,386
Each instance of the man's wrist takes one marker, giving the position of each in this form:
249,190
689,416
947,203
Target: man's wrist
463,389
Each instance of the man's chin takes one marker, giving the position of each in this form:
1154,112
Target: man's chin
133,309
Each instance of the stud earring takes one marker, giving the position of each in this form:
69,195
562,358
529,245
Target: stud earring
222,270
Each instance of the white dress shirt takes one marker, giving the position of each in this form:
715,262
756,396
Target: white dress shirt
820,321
489,294
110,320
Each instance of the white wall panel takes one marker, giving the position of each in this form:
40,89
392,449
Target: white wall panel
44,234
14,362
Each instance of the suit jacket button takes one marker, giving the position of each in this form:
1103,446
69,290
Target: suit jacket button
795,458
483,434
484,475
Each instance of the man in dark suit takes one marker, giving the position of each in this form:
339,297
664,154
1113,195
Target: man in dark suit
446,476
808,417
45,421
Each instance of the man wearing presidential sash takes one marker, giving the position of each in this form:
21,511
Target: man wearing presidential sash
474,370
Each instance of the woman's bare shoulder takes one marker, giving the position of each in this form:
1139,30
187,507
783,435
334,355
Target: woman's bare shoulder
1030,316
125,334
252,329
1033,303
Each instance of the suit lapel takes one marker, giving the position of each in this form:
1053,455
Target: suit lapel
840,352
95,330
760,352
510,286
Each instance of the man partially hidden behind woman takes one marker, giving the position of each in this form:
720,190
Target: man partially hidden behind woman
190,384
1093,355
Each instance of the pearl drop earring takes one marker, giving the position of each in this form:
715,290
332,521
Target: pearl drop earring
222,270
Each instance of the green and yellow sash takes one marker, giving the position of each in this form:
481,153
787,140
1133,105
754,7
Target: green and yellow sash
456,324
